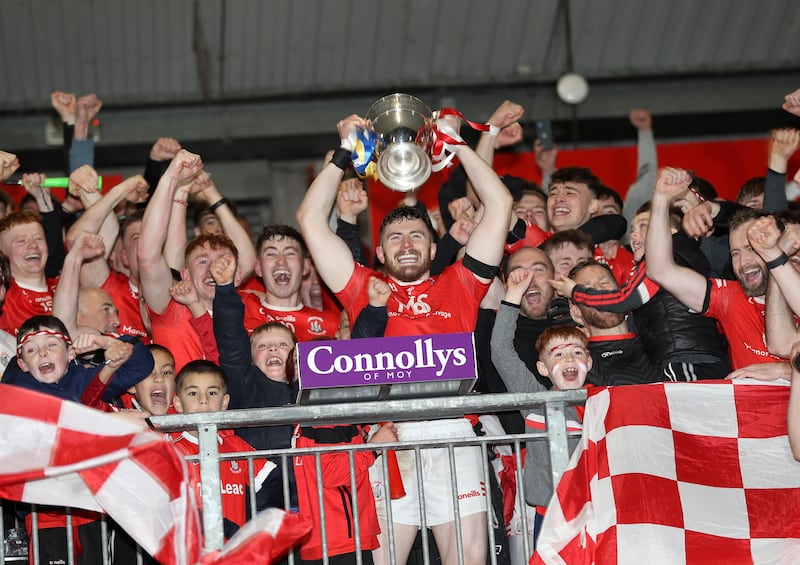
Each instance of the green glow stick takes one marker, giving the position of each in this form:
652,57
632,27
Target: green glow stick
62,182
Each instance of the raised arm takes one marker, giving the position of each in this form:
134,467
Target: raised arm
81,151
510,367
488,238
86,247
782,296
791,102
161,153
332,257
206,192
646,166
231,336
99,218
686,285
9,163
351,200
783,144
509,132
175,243
154,272
793,411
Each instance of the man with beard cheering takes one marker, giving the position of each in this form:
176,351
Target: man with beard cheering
738,308
419,304
618,355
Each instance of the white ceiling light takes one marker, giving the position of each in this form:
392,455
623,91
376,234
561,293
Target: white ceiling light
572,88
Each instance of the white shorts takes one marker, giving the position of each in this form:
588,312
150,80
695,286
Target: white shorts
436,481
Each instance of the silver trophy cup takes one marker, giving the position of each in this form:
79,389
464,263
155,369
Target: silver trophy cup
403,123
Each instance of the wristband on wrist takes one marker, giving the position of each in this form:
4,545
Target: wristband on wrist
493,131
181,201
342,158
217,204
781,259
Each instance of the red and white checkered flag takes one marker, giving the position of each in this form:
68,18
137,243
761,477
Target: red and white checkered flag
689,473
60,453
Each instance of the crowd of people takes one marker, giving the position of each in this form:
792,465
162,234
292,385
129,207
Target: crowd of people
109,300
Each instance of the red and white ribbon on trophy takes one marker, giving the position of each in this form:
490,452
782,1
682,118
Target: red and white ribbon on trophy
446,139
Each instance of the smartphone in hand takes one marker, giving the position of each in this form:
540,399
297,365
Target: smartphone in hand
544,133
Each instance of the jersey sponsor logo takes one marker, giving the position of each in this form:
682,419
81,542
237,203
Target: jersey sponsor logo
605,354
756,351
474,493
315,325
378,492
324,361
130,330
416,305
232,488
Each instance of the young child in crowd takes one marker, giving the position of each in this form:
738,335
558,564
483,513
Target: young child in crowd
46,354
151,396
154,393
255,365
563,357
45,363
201,386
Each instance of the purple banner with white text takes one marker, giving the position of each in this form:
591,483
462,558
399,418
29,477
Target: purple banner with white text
386,360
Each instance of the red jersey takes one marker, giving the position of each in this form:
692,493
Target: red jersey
126,299
741,319
305,322
253,283
445,304
232,474
337,497
620,265
534,237
174,330
22,302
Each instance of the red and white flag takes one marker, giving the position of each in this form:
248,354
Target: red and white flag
60,453
678,473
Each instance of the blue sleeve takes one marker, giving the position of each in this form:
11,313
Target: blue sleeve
81,153
248,386
775,192
371,322
137,367
233,342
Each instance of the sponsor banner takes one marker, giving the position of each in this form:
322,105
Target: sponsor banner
386,360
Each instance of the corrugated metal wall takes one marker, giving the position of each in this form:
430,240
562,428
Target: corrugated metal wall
145,52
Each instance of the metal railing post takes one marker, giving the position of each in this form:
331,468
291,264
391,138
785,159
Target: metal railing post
210,486
557,439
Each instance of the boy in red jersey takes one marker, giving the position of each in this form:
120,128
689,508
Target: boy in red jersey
201,386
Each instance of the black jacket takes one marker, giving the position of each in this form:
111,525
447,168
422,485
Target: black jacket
668,329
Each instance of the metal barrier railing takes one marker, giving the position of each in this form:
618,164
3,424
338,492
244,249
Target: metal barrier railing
209,424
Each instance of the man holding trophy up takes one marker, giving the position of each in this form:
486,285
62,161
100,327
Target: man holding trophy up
419,304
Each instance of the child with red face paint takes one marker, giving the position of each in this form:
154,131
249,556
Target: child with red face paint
563,357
